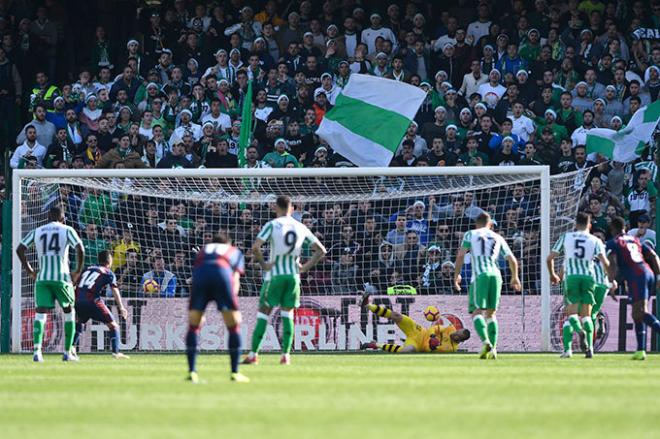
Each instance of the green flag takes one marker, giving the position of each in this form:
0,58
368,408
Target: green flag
246,126
627,144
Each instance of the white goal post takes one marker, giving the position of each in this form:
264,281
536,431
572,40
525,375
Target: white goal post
393,190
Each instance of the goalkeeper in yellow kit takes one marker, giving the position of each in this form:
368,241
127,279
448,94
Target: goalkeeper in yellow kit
437,338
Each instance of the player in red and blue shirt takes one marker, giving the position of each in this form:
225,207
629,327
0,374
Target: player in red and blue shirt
216,278
639,266
91,288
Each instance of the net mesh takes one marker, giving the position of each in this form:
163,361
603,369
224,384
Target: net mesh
393,236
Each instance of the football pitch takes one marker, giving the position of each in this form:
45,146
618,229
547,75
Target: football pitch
339,396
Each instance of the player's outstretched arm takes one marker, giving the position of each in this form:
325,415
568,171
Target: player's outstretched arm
120,305
458,265
319,252
20,252
513,266
550,262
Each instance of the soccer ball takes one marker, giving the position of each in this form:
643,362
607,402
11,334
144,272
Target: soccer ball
150,286
431,313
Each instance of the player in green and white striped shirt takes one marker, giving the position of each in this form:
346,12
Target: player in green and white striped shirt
53,280
485,247
285,238
580,248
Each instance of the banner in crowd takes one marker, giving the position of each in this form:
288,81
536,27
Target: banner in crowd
336,323
628,143
369,119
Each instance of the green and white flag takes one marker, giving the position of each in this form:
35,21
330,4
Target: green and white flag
628,143
369,119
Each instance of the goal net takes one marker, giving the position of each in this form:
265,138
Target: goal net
391,231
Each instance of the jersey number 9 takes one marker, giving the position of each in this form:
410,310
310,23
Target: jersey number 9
290,239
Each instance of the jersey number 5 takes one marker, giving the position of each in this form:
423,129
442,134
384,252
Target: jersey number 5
580,250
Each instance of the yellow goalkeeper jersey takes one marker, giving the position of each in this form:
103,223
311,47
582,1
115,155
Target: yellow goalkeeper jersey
419,337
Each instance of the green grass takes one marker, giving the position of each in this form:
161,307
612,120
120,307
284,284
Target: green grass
338,396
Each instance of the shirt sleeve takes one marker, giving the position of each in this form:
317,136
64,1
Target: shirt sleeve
505,249
310,238
73,239
600,248
28,240
266,232
467,242
559,245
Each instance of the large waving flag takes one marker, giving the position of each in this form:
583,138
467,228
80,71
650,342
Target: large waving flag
369,119
627,144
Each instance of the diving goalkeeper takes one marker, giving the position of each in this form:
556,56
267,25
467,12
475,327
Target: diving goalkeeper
437,338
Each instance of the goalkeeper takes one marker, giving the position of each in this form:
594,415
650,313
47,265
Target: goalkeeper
437,338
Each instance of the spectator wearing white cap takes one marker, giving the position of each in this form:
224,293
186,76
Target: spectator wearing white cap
613,106
581,102
420,221
308,47
381,67
376,30
549,120
279,157
185,126
451,65
420,148
431,130
90,115
472,80
222,69
328,86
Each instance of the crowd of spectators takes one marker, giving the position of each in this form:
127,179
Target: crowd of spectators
508,82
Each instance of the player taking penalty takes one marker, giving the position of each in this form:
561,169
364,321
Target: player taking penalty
580,248
89,301
54,281
285,238
639,266
216,278
485,247
436,339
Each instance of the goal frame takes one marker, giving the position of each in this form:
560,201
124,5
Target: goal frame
540,172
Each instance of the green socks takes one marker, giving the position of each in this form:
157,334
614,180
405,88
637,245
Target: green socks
259,331
588,325
573,325
574,321
480,327
69,329
567,336
492,330
38,330
287,331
